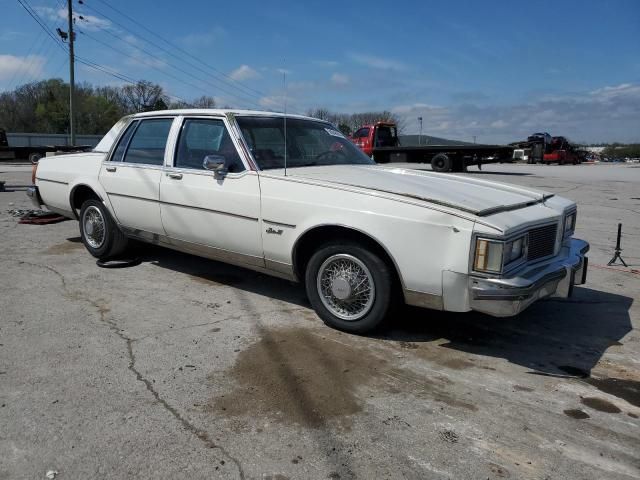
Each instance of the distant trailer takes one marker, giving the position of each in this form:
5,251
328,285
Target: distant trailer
445,158
33,153
380,142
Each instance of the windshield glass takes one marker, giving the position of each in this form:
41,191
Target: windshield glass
309,143
105,144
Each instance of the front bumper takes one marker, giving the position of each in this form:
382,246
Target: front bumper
505,297
34,194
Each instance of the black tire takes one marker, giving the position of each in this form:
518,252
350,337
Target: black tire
441,163
383,282
114,242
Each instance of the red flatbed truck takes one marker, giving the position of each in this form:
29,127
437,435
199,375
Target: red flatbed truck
380,141
561,152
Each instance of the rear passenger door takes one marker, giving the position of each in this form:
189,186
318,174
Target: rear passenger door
131,176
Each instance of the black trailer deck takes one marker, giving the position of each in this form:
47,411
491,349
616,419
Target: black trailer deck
36,152
445,158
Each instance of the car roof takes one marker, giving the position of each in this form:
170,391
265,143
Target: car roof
222,112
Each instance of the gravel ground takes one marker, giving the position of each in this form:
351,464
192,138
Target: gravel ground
187,368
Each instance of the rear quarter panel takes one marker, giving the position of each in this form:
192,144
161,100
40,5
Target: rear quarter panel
57,176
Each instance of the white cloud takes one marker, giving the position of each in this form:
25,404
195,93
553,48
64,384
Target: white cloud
244,72
275,102
326,63
89,22
10,35
607,114
204,38
624,90
414,107
340,80
377,62
10,65
84,20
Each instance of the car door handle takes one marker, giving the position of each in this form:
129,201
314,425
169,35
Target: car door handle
175,176
110,169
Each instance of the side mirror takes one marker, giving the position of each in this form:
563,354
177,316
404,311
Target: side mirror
216,164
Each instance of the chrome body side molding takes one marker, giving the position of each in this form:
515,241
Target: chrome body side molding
258,264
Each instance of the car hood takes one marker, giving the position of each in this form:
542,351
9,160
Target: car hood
478,197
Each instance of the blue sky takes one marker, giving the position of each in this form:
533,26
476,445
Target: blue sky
497,69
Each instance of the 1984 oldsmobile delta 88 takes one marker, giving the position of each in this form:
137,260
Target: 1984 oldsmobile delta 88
221,184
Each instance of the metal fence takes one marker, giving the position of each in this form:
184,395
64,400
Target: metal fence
43,139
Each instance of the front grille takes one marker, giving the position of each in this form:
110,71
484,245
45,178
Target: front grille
542,241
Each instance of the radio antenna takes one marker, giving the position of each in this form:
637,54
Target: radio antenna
284,88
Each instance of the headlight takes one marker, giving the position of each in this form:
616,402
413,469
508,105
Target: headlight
569,224
514,250
492,256
488,256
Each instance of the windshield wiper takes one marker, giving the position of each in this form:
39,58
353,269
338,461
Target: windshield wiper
310,164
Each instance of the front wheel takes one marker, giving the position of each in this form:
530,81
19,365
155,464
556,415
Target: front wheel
349,287
100,234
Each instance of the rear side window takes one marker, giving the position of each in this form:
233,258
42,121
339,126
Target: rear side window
124,141
363,132
148,142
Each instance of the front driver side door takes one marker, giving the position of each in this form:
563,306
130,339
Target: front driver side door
217,217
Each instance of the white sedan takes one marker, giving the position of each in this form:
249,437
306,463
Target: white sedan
291,196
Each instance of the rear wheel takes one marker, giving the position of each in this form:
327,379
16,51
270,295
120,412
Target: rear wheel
441,163
100,234
349,287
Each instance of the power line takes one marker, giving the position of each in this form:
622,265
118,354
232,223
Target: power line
82,60
121,52
39,38
232,83
150,65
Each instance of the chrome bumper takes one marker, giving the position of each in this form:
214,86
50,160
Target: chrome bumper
34,195
504,297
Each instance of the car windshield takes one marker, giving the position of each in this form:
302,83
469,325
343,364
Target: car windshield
309,143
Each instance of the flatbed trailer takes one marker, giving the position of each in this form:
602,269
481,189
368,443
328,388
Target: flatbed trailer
35,152
445,158
380,142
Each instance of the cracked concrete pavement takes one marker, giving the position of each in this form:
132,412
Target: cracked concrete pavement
187,368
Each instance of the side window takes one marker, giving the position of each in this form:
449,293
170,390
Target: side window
267,145
124,141
148,142
201,137
362,133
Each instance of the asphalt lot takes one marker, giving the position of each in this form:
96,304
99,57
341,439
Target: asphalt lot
187,368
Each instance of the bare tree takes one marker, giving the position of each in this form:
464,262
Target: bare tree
350,122
144,96
204,101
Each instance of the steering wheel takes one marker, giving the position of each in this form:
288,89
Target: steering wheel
330,152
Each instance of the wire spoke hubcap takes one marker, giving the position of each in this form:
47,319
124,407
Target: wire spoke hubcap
93,227
346,287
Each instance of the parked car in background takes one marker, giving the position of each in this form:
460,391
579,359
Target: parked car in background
290,196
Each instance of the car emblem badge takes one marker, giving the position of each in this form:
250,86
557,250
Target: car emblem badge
274,231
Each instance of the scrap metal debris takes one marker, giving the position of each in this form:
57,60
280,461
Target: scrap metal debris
36,217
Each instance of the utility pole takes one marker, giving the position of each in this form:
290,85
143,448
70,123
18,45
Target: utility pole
474,139
420,136
72,87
